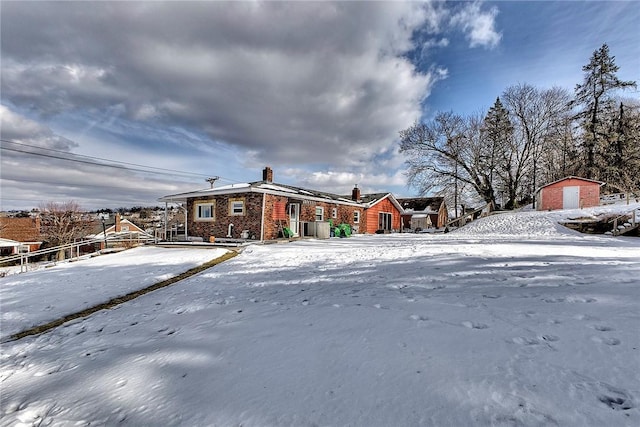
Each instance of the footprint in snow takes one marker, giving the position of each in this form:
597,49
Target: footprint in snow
602,328
615,398
581,299
474,325
607,341
418,317
525,341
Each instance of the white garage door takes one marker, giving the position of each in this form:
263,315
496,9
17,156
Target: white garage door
570,197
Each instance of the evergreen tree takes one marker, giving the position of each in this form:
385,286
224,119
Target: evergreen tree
600,82
620,155
498,133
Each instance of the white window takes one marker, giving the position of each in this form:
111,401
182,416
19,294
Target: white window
319,213
356,217
204,211
124,228
236,208
334,213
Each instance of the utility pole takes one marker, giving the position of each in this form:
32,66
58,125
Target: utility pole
212,180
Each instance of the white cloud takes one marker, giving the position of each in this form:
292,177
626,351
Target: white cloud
478,25
301,84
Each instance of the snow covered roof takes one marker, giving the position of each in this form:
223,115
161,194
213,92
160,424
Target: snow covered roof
8,243
426,205
571,177
281,189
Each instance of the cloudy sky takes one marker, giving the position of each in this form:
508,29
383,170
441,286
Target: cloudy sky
119,103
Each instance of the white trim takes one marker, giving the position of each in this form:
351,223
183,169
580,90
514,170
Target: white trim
196,211
247,188
264,199
232,211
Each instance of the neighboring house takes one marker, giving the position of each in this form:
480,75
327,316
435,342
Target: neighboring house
424,212
23,230
383,213
119,229
11,247
262,210
571,192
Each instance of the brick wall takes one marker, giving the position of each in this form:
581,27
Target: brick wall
220,225
273,217
276,214
551,197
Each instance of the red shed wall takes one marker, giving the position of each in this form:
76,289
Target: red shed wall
551,197
371,217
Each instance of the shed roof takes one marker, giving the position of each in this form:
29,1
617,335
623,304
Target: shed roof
571,177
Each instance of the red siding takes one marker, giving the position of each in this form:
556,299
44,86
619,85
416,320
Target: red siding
551,196
371,216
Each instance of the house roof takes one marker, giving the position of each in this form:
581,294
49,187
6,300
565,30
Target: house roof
375,198
279,189
571,177
421,204
8,243
20,229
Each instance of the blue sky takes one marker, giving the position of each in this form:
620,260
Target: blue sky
316,90
543,43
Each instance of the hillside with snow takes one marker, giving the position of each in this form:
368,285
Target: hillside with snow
511,320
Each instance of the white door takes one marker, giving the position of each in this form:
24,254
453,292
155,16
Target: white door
294,218
570,197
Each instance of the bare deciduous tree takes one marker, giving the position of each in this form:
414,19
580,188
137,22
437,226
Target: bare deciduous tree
62,222
534,114
448,154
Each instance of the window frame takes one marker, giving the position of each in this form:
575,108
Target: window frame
385,219
356,217
334,213
232,208
197,210
321,210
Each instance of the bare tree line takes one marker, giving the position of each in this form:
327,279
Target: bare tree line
530,137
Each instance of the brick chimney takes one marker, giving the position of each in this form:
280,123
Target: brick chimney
117,223
267,174
355,193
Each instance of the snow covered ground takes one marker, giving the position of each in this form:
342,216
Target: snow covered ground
38,297
510,320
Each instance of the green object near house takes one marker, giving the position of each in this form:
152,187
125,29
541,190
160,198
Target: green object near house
343,230
286,231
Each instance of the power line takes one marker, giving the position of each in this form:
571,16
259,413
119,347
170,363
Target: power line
79,158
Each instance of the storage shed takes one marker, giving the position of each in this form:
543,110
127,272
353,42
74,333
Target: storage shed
571,192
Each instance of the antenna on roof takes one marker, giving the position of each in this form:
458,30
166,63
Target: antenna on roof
212,180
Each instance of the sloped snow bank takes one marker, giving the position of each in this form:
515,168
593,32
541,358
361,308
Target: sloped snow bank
538,224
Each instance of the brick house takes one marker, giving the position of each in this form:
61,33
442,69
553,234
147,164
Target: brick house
262,210
571,192
27,231
424,212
